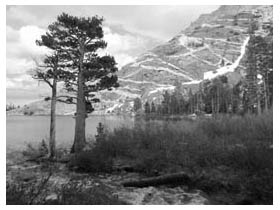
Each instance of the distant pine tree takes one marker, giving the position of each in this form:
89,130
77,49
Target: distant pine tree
153,108
100,136
147,108
137,104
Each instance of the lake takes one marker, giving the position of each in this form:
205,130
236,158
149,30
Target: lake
21,130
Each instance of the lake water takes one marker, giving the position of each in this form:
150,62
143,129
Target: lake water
21,130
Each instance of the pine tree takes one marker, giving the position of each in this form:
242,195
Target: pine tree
153,108
78,40
264,66
178,97
166,103
137,104
147,108
100,136
49,73
191,101
251,77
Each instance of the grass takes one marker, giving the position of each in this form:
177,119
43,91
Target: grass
231,154
75,192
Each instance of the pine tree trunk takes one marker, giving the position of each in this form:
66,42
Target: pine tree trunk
53,121
80,137
80,131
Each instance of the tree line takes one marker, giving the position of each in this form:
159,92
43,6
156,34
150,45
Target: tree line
11,106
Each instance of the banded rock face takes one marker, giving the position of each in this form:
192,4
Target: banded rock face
213,45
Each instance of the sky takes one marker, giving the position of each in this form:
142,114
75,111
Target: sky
128,30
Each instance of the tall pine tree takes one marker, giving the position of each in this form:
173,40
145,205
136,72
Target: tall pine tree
78,40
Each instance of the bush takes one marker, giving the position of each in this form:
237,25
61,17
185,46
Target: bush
28,112
22,192
94,160
36,151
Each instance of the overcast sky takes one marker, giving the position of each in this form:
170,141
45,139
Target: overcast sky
129,31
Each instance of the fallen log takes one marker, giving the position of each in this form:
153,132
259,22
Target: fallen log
169,179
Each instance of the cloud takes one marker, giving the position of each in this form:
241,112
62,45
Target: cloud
120,46
21,15
123,59
125,46
21,50
11,34
28,36
21,43
158,21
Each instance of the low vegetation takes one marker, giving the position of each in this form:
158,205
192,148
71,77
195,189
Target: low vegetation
229,157
43,191
226,154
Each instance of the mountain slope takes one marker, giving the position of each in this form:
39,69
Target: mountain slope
213,45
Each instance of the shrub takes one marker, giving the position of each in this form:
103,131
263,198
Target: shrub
28,112
20,192
94,160
36,151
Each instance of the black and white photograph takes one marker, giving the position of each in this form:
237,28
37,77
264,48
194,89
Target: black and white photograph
139,104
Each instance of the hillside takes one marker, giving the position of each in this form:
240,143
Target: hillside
213,45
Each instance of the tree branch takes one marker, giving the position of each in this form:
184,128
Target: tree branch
44,80
48,82
64,96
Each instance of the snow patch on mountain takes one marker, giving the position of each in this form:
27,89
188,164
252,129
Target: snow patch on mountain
160,89
186,41
192,82
230,68
211,25
113,108
130,88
